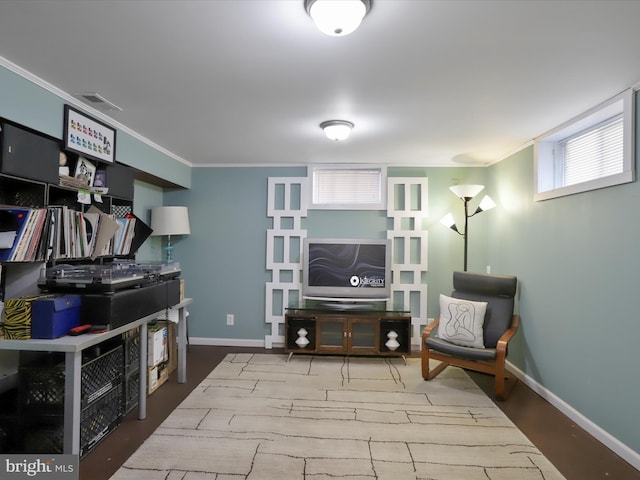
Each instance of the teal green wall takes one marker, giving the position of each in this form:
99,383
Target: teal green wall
146,197
28,104
577,262
224,258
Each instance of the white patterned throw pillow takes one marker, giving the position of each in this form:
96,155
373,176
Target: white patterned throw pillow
461,321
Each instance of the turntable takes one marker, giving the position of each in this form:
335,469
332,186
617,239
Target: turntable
91,278
108,278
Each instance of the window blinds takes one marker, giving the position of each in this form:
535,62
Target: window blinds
347,186
595,153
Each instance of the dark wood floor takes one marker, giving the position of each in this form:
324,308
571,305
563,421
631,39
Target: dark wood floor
574,452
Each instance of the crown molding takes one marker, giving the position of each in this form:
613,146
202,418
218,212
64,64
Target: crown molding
18,70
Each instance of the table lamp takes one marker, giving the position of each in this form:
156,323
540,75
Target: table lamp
170,221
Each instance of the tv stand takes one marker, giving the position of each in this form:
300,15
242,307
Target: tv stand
347,329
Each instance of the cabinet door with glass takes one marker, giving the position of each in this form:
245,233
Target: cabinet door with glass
363,335
332,334
342,334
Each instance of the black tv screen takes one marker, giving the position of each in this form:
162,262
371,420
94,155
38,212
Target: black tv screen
346,269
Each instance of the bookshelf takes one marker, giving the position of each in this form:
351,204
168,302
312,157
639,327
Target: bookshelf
29,178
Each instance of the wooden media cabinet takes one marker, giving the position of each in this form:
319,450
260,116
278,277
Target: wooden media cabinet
349,331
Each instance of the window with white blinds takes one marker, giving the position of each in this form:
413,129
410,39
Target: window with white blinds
595,153
595,150
343,188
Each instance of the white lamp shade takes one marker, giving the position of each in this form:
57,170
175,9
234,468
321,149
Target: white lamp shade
486,203
337,17
448,220
170,221
466,191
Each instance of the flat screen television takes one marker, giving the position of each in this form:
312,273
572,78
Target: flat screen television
346,270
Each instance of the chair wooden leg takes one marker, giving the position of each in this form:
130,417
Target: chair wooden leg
429,373
505,381
425,362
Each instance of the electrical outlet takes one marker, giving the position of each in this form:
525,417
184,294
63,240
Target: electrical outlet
230,319
489,269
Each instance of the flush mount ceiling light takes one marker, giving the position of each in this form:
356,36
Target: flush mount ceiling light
337,17
337,129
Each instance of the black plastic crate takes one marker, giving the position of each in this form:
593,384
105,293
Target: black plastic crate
102,374
100,418
11,433
43,434
41,387
131,351
131,391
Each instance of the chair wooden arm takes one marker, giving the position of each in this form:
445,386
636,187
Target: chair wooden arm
506,336
429,328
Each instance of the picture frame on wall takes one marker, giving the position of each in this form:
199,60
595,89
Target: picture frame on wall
88,136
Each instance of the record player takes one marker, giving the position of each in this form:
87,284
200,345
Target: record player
108,278
116,293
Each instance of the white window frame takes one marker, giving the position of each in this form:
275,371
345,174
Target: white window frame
379,204
548,157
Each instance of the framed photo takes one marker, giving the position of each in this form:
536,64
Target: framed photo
85,170
87,136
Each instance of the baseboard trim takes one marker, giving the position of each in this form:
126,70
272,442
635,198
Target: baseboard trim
604,437
226,342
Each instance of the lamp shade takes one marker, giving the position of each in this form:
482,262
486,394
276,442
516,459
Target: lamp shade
466,191
170,221
337,17
486,203
448,220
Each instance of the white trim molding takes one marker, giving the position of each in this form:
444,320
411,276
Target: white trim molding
597,432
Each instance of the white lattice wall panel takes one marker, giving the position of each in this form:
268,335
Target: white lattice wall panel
407,205
286,206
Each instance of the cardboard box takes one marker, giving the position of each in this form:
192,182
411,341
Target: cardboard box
157,349
53,317
156,377
172,344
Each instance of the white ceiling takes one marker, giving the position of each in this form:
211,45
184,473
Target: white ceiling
427,83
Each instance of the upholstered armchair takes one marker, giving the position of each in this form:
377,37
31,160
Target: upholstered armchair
474,328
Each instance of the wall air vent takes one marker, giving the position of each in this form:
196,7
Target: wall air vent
97,101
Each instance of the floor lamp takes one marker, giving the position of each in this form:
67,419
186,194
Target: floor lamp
466,194
170,221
